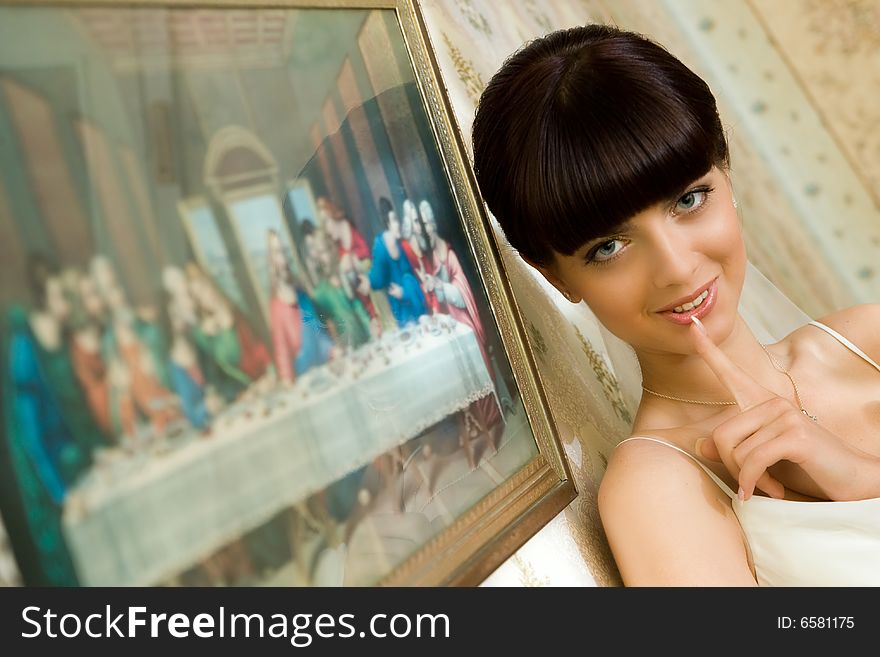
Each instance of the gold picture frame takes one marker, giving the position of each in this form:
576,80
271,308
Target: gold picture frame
380,391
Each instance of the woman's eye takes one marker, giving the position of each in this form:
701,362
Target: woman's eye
692,200
605,251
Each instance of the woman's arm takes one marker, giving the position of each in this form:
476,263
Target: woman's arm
668,523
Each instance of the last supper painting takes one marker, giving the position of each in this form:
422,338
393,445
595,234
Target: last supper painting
246,340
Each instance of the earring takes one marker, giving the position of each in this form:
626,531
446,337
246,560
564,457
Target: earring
734,202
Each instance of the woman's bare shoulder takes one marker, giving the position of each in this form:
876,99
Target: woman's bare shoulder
860,324
640,470
637,463
667,522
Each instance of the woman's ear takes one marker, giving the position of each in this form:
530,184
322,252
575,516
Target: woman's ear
554,280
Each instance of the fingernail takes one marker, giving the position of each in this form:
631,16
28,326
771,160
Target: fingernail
698,446
741,494
699,324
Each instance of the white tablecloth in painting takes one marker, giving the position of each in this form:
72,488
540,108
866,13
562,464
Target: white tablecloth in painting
147,517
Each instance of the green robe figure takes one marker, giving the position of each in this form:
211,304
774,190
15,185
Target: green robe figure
350,318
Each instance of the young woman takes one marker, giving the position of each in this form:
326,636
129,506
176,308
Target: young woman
604,160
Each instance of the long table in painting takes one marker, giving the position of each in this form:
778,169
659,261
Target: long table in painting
150,515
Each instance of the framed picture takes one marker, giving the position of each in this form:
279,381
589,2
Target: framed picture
255,327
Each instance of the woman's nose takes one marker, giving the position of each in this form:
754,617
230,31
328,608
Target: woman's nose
674,261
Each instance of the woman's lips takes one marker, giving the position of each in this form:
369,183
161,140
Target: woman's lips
699,312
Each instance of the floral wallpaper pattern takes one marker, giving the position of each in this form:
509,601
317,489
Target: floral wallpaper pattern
820,40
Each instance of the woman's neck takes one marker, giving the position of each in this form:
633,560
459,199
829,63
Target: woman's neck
689,377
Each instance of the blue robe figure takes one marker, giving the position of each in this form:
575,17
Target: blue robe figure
316,340
37,460
191,393
385,270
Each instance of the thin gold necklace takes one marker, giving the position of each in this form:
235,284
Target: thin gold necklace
793,384
733,403
690,401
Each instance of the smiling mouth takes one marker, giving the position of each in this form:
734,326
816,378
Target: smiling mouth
694,300
690,305
705,302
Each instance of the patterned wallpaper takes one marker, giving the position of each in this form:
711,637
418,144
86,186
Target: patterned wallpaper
819,40
822,43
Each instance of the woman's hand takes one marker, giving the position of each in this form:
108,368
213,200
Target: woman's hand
771,442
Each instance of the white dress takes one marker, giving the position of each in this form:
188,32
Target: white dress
795,543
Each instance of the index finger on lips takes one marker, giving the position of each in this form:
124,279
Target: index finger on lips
745,390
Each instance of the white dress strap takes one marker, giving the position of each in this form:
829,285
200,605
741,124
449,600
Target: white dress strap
723,486
846,343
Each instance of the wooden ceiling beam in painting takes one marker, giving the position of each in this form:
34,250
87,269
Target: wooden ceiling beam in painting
137,39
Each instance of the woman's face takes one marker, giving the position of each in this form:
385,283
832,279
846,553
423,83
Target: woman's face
671,251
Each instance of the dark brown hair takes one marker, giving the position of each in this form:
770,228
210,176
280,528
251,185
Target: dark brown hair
584,128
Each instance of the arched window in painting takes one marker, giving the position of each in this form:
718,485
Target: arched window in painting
243,176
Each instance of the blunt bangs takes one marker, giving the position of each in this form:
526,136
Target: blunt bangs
585,128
